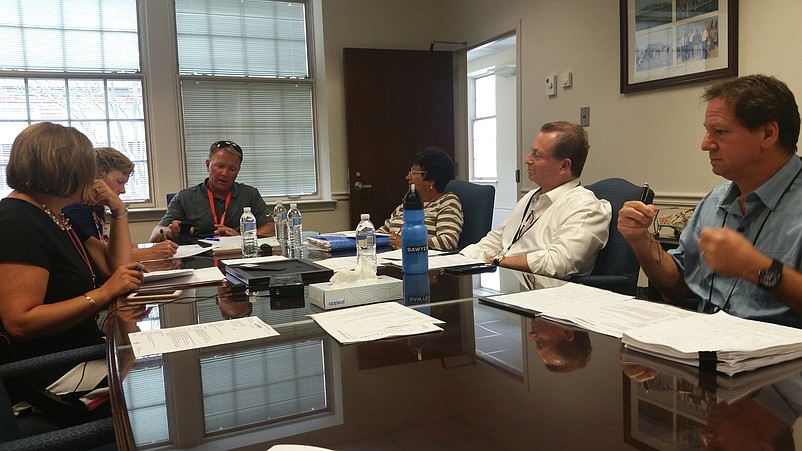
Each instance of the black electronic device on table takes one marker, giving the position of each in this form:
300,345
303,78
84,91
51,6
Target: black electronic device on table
257,276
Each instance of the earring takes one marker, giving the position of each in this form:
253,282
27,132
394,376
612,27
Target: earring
431,187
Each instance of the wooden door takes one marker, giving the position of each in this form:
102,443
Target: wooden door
397,103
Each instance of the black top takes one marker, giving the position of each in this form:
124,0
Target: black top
31,236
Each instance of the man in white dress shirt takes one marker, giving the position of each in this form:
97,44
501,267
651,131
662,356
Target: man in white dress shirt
558,229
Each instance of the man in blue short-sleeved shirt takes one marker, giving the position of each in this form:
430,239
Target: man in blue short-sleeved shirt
742,249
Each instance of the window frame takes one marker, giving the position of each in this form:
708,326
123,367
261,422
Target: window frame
320,191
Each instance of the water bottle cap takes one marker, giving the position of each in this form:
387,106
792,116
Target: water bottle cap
246,209
412,200
293,205
364,216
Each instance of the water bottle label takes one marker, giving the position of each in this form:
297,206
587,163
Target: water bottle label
417,249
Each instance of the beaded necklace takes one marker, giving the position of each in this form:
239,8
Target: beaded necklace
64,225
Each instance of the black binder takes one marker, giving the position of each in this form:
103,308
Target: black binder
257,276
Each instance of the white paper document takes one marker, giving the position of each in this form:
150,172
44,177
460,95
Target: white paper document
447,260
253,260
173,339
374,322
393,257
338,263
185,278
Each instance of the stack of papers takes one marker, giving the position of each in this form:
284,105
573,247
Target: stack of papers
374,322
179,278
666,331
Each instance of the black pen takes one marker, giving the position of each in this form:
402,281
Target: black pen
644,193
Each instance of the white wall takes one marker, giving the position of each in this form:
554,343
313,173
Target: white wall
651,136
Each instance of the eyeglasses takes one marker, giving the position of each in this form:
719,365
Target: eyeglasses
415,171
226,144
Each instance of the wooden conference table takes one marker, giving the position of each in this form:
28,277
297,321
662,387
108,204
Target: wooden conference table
426,392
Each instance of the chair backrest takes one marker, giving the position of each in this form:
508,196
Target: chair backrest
477,209
170,197
617,258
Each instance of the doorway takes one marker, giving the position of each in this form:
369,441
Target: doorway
493,121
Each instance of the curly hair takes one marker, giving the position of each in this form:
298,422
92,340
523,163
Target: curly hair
438,165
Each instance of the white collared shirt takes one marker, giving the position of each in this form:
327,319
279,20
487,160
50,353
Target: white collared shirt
572,225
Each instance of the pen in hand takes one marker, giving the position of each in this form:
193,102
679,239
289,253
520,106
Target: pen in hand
644,193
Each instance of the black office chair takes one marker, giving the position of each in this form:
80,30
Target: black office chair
170,197
477,209
616,267
37,432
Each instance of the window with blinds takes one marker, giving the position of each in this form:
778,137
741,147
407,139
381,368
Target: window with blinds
244,74
76,64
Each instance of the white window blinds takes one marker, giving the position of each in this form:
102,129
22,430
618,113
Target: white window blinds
245,77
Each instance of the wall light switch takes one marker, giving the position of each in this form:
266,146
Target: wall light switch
566,79
584,116
551,85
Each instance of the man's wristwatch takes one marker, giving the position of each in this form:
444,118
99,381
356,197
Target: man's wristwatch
497,260
770,278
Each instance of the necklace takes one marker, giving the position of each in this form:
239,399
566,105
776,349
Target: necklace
63,223
61,220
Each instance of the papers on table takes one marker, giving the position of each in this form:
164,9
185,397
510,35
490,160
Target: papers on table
669,332
252,260
739,344
178,278
394,257
338,263
199,335
375,321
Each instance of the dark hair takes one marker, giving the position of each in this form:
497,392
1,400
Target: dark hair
571,142
574,354
51,159
757,100
438,166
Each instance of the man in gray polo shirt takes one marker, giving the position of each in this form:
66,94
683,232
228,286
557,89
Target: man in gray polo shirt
213,207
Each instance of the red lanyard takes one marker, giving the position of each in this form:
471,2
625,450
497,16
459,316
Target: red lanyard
211,206
80,248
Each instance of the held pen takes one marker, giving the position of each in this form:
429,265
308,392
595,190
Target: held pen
644,193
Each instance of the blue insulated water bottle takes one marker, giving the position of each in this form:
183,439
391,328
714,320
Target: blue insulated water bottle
414,240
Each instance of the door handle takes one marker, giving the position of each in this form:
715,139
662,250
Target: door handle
359,186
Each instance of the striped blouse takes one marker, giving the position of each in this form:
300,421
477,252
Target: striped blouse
443,220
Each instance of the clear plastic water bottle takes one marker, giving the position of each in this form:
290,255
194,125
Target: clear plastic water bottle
247,229
414,237
366,242
280,221
295,231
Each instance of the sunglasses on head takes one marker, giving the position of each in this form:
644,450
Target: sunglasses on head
226,144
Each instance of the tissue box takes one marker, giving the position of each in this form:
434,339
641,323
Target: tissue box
384,288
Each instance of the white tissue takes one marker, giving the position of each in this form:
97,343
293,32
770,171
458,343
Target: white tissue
363,271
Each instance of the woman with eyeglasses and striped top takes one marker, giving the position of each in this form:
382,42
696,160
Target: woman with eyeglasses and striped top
431,170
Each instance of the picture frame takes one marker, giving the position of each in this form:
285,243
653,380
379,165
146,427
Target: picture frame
667,43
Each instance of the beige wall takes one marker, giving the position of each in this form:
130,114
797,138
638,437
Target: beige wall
651,136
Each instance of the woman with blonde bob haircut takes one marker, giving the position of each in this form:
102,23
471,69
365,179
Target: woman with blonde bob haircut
55,278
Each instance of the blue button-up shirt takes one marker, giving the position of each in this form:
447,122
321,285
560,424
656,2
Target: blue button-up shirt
773,222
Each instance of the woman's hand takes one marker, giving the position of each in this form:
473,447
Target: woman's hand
158,251
123,280
395,239
105,196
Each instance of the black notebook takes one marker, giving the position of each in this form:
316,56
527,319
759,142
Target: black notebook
256,276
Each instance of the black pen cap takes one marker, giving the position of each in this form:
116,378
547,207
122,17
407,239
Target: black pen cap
412,199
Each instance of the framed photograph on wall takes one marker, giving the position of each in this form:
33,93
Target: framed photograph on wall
675,42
